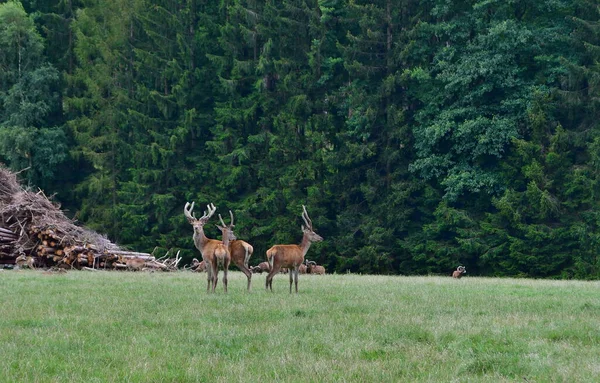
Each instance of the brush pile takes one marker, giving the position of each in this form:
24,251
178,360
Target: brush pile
34,232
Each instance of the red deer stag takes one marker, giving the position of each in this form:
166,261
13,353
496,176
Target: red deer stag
459,272
240,251
205,245
291,256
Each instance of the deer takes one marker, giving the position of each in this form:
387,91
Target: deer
198,266
240,251
135,264
291,256
459,272
313,268
205,245
263,266
222,255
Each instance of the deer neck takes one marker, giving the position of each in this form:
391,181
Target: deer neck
305,244
225,240
200,240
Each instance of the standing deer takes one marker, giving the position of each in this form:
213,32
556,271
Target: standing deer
291,256
240,251
205,245
221,255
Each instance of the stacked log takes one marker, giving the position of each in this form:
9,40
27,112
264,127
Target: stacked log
34,232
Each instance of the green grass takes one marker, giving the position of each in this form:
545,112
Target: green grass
164,327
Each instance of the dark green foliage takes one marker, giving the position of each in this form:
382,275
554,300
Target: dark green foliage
30,110
420,135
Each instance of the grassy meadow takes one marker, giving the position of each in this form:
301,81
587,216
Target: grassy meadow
164,327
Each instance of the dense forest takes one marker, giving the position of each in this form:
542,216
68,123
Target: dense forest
419,134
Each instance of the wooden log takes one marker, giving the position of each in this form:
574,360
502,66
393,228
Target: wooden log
46,250
7,231
128,254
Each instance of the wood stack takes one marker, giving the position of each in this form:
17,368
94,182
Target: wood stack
34,232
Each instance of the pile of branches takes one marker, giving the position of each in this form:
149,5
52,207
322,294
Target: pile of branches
34,232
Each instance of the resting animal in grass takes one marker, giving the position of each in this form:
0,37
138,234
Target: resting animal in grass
458,273
263,266
313,268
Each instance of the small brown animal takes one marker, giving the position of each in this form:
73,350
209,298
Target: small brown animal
135,264
198,266
313,268
263,266
459,272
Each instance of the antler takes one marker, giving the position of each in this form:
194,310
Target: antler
188,212
306,218
191,217
223,222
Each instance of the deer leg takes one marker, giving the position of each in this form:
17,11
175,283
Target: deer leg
296,272
244,268
246,257
248,275
225,267
208,276
274,270
215,268
291,278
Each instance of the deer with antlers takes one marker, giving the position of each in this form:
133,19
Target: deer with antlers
291,256
212,250
240,251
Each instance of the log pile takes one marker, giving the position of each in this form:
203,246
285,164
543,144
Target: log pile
34,232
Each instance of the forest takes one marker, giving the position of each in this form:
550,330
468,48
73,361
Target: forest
420,135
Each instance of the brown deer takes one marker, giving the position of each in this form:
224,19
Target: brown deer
291,256
263,266
240,251
205,245
313,268
198,266
135,264
459,272
221,255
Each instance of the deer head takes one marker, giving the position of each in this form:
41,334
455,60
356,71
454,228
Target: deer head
227,230
308,230
198,223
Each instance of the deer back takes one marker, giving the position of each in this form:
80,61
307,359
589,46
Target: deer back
286,255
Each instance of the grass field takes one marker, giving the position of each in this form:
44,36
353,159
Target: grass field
164,327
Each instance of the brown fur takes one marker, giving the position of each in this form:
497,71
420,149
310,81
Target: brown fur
241,252
458,273
263,266
135,264
291,256
205,245
198,266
